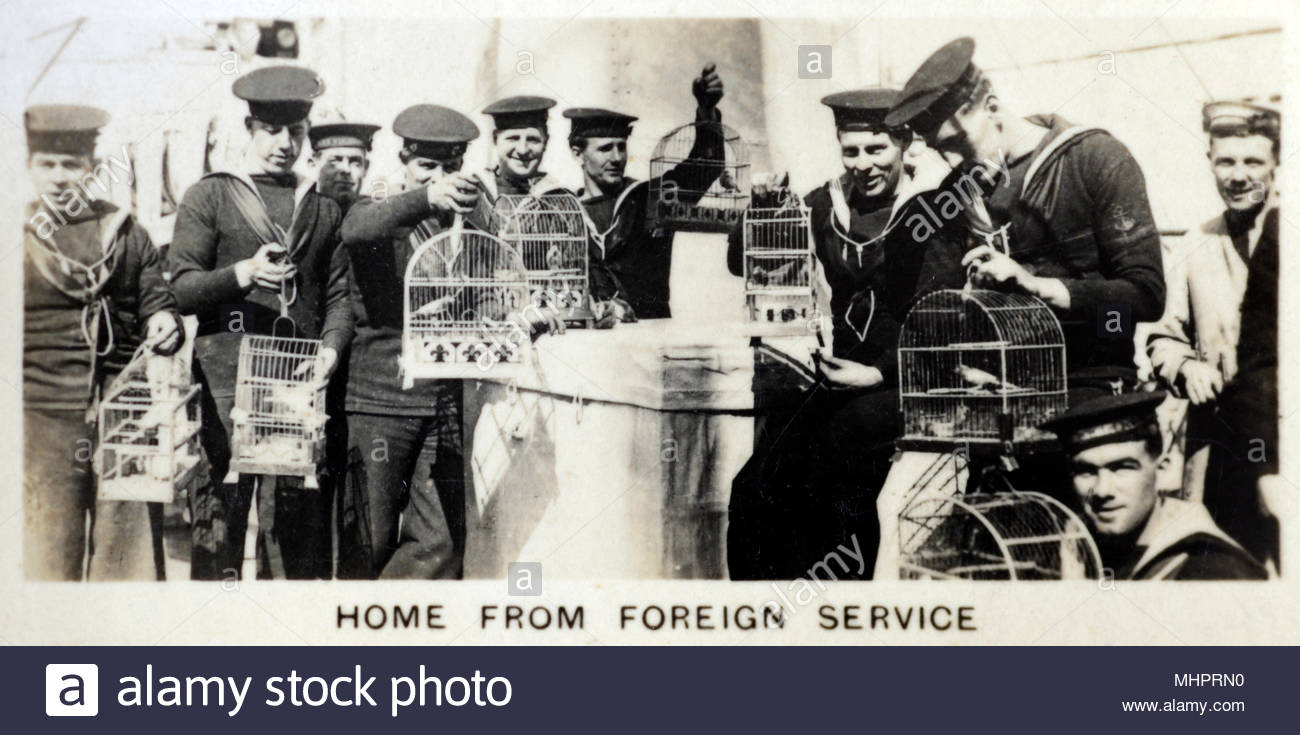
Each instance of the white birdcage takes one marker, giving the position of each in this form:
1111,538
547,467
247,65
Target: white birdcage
995,536
779,268
149,421
981,369
278,422
706,193
549,231
462,288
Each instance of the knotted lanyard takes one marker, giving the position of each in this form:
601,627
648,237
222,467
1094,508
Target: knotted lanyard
62,272
252,208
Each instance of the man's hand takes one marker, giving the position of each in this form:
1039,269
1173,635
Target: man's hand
611,312
163,333
267,269
1201,381
456,193
538,320
329,358
849,374
707,87
769,189
989,268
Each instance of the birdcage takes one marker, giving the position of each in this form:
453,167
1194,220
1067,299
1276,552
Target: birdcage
549,231
462,289
983,369
278,422
995,536
149,420
778,269
699,179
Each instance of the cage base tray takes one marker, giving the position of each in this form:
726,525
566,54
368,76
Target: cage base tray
306,473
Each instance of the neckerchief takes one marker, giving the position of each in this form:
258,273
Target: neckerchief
85,284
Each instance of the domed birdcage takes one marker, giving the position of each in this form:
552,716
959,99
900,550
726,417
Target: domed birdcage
779,268
278,421
462,289
149,420
699,179
549,231
995,536
981,369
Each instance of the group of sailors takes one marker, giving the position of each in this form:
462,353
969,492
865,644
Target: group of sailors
1070,205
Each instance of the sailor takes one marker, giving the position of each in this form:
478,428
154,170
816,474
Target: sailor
93,291
1114,450
248,243
812,481
404,512
1060,211
1193,348
631,259
341,153
519,139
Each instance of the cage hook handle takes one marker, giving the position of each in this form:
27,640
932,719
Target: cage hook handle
284,319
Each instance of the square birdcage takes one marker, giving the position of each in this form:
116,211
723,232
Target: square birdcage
699,179
549,231
278,422
983,369
148,429
780,295
463,290
999,536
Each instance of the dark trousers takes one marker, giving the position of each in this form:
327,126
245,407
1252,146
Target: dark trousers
402,507
811,486
1243,448
293,521
59,502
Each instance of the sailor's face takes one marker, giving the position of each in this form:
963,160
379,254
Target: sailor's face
1243,169
420,170
873,158
274,146
604,159
341,171
969,136
519,151
1116,485
55,176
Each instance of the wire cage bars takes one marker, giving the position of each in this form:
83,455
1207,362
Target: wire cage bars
980,368
779,267
278,422
549,231
149,421
699,179
462,287
995,536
